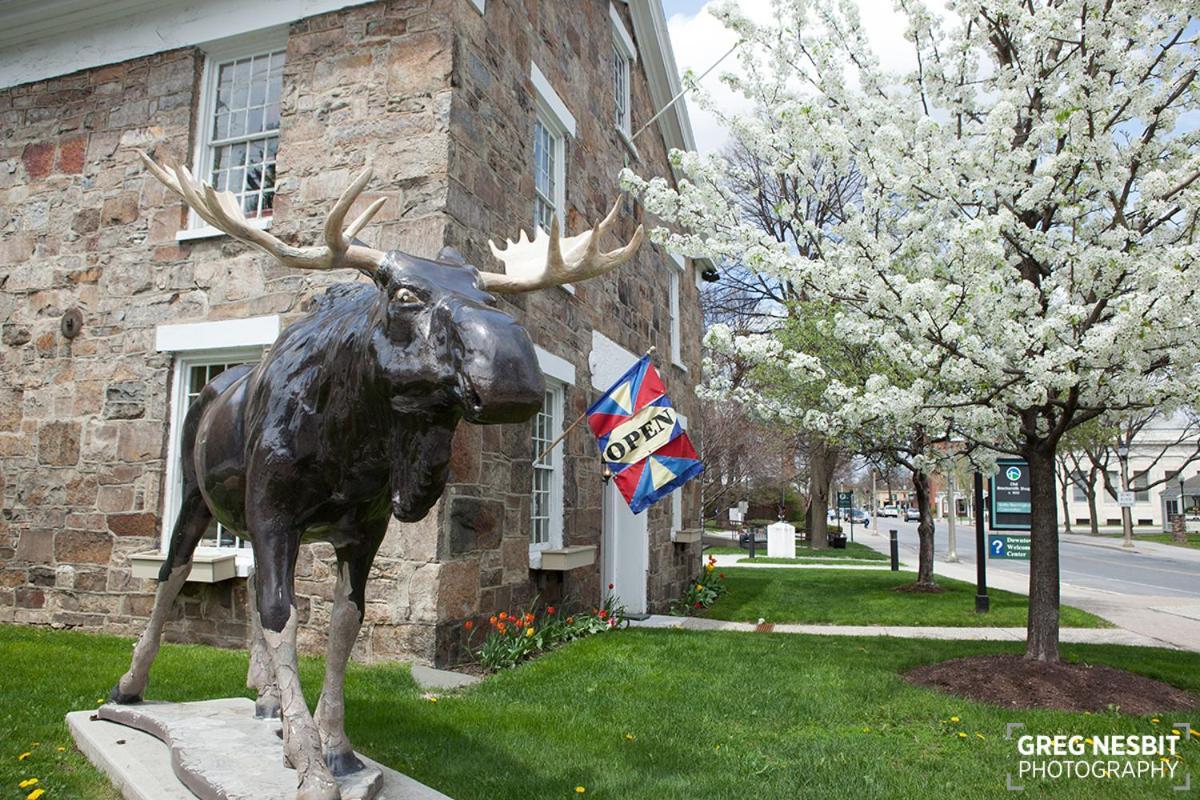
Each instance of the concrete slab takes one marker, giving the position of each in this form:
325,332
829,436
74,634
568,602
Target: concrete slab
432,679
216,749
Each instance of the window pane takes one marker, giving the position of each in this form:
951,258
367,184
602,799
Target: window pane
246,106
621,88
545,474
545,144
1138,484
197,376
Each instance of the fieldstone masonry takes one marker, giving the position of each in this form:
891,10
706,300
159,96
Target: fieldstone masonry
438,99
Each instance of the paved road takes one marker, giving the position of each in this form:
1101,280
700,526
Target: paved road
1087,565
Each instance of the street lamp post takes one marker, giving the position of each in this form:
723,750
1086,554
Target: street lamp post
951,519
1126,511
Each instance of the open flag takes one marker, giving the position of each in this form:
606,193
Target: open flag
641,439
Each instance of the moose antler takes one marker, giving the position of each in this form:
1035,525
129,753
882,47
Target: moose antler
553,261
223,212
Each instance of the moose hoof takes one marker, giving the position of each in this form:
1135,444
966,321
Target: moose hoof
267,709
318,788
115,695
343,763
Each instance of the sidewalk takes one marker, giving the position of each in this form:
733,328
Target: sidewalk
1150,548
1071,635
730,560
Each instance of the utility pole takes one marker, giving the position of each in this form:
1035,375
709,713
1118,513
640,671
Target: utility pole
874,501
951,519
1126,511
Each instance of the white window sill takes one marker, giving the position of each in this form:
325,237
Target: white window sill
679,365
687,536
627,140
210,567
564,559
209,232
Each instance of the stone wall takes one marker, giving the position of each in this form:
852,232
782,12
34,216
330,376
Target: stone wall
83,422
437,99
491,196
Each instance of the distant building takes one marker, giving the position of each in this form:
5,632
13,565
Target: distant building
480,118
1156,453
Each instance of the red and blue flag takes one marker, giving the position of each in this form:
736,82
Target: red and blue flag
641,438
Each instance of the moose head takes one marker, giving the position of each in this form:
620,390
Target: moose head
439,338
347,420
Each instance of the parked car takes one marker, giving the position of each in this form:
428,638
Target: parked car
888,511
859,516
912,515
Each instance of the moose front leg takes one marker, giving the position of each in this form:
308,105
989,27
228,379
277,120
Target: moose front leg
261,675
354,564
275,550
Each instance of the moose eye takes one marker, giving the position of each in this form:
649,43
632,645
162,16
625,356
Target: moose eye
407,297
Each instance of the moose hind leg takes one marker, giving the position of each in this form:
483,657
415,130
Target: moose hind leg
190,526
345,621
261,675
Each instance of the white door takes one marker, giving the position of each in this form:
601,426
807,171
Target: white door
626,551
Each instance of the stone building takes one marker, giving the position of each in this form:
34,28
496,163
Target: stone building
480,118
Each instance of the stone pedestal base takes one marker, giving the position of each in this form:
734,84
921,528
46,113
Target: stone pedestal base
208,750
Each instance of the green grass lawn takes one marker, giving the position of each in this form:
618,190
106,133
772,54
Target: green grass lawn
638,714
853,551
1193,540
845,597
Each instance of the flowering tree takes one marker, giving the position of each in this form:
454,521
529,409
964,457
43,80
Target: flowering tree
1024,239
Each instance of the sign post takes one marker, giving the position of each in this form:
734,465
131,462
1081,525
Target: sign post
845,499
1011,505
1125,499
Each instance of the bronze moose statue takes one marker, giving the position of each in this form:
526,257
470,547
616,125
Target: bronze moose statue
346,421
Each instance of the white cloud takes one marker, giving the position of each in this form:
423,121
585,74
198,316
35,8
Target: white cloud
700,39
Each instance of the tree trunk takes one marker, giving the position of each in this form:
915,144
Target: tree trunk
822,461
1041,642
1093,514
924,532
1064,488
1179,526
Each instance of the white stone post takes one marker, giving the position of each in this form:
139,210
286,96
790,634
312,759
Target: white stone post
781,540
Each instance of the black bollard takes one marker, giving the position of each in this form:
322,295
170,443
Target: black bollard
895,544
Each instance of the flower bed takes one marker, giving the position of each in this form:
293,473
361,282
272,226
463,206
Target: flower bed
702,592
513,637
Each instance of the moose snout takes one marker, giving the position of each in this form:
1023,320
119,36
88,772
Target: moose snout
499,377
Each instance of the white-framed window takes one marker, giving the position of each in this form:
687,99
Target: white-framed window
676,270
546,517
202,351
552,124
1138,483
546,493
623,55
237,123
1079,487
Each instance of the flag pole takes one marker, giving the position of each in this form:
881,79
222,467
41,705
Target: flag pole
578,420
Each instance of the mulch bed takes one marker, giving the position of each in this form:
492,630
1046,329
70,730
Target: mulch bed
1011,681
919,588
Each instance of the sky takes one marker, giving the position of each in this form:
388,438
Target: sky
699,40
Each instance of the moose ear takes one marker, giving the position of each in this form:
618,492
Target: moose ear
448,255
